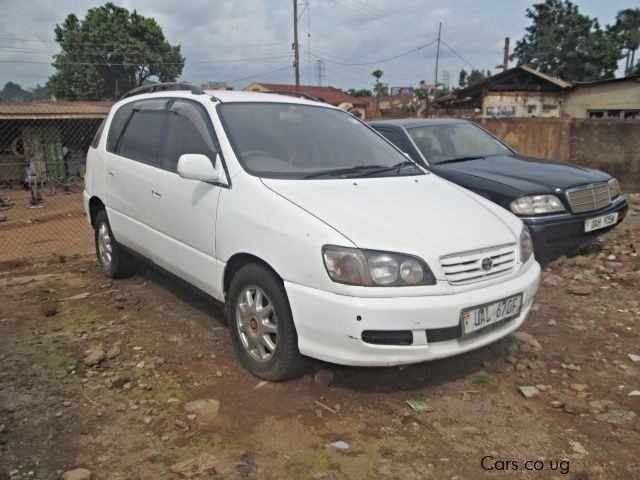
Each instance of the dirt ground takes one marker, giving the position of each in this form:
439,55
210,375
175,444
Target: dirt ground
129,416
59,227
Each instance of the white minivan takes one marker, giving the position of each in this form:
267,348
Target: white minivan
322,238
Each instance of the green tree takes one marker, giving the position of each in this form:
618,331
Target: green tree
379,87
12,92
462,78
362,92
110,51
627,31
477,76
564,43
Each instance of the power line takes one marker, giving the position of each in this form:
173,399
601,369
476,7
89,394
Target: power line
128,64
458,55
384,59
260,74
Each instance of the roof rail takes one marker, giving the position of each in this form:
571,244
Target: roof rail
163,87
298,94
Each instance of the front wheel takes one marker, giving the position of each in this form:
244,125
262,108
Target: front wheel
114,261
261,324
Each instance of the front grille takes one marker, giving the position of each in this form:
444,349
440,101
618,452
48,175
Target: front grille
467,267
588,198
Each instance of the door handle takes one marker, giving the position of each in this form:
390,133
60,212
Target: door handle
156,194
111,174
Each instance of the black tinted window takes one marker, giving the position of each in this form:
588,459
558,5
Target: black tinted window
395,137
189,131
98,135
118,123
144,132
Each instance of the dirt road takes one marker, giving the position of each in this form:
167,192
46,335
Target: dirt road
105,383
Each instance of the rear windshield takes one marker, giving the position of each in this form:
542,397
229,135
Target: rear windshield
283,140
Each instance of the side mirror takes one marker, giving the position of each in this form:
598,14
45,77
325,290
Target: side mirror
195,166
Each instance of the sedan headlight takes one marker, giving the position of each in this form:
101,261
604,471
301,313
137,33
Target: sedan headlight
614,187
537,205
526,244
373,268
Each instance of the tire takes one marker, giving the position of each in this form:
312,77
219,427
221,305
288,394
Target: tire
75,184
115,263
48,187
284,361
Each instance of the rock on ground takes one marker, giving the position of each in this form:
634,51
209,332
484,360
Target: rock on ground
77,474
205,409
94,356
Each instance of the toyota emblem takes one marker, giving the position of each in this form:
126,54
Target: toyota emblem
487,263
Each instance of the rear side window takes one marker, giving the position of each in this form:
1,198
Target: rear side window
396,138
98,135
143,132
119,121
189,130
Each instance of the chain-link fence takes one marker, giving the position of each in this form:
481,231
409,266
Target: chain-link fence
43,148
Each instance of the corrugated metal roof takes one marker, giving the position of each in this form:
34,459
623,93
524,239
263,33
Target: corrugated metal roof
53,110
555,80
330,95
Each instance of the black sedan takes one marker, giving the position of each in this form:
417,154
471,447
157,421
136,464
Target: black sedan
563,205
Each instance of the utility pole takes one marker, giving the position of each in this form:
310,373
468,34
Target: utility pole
435,82
320,71
505,62
296,51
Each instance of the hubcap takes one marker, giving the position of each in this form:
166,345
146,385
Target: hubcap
105,249
257,323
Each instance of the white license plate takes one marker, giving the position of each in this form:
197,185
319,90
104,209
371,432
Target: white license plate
597,223
476,318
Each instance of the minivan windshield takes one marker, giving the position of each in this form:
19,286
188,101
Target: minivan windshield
293,141
455,142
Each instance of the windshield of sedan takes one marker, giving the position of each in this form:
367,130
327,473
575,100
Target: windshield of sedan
291,141
455,142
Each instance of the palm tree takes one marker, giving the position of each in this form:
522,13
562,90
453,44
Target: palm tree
377,74
627,30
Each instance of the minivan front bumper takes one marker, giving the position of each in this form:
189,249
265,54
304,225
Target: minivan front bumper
330,327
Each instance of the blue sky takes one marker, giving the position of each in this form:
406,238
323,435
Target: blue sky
250,40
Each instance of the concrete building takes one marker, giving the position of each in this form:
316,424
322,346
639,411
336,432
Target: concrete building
614,98
522,92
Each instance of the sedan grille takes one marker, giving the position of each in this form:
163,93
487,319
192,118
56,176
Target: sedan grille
588,198
479,265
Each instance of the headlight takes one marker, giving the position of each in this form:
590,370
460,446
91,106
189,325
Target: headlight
614,187
353,266
536,205
526,244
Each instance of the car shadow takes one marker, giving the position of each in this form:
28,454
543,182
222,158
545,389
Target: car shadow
406,378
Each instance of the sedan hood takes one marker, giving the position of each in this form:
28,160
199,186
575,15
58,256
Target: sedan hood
419,215
529,175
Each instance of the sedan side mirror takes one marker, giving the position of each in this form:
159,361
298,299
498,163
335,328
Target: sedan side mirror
195,166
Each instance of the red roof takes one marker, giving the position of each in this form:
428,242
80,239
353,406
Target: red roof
330,95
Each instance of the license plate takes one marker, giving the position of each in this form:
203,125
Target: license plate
597,223
476,318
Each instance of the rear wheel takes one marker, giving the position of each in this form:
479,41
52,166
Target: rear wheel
114,261
261,325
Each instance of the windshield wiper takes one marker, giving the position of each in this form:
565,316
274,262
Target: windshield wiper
397,167
341,171
460,159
